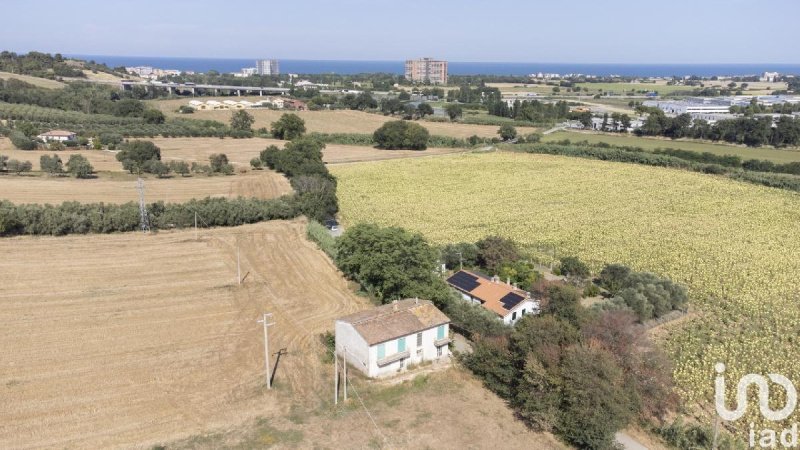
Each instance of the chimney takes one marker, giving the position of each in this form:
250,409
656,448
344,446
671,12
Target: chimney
508,281
394,305
495,279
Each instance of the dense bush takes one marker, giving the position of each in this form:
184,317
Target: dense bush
79,166
21,141
136,154
401,134
317,233
647,295
288,127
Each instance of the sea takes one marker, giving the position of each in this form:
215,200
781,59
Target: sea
302,66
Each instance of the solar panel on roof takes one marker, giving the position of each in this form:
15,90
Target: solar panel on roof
511,300
464,281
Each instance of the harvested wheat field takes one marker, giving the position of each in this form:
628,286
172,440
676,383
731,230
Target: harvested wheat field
160,344
101,160
162,347
241,151
338,121
54,190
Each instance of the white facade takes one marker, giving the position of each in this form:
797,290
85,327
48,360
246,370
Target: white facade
58,135
683,107
267,67
393,356
527,306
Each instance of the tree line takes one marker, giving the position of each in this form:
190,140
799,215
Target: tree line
637,155
751,131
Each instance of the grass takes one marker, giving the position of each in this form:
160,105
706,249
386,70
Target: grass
735,245
36,81
650,144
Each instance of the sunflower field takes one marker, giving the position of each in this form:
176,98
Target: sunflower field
735,245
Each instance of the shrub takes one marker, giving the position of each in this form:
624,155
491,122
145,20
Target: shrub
494,251
256,163
507,132
18,167
288,127
51,164
573,267
79,166
241,120
317,233
400,134
135,154
21,141
179,167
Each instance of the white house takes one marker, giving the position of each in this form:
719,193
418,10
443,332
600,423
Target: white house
383,341
58,135
503,299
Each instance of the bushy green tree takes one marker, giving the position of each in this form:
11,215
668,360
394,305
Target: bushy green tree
401,134
241,120
136,153
156,167
454,111
288,127
51,164
79,166
494,251
507,132
424,109
179,167
572,266
595,401
18,167
153,116
390,263
21,141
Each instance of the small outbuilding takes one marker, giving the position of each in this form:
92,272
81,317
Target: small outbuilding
383,341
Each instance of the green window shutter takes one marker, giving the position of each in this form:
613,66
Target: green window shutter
401,345
440,332
381,351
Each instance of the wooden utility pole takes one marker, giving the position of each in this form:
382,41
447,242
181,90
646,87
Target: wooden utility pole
335,378
265,321
238,266
195,225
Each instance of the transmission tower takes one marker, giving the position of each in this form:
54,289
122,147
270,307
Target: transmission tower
145,224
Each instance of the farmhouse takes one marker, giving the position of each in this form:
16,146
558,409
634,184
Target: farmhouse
503,299
57,135
385,340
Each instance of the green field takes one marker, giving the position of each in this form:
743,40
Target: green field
734,244
620,88
649,144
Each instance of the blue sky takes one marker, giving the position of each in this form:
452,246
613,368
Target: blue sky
580,31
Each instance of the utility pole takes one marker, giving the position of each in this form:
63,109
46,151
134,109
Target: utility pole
143,221
335,378
716,432
265,321
195,225
238,266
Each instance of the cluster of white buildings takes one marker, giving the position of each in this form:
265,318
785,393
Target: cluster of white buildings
267,102
152,72
717,108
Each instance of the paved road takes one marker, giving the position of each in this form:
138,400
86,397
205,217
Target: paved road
627,442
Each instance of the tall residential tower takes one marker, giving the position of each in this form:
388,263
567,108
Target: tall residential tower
426,69
267,67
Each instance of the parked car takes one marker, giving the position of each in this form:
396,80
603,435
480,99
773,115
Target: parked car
332,224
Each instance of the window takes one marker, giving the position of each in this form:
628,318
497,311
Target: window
514,315
419,339
440,333
381,351
523,311
401,345
438,352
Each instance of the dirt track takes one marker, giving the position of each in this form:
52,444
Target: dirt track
118,339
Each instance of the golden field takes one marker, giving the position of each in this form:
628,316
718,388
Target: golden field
735,245
338,121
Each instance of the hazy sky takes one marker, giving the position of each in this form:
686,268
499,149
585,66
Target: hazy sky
580,31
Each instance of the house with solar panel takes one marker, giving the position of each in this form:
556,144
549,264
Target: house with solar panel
504,299
385,340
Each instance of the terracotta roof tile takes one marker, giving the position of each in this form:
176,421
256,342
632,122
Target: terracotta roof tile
384,323
491,293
